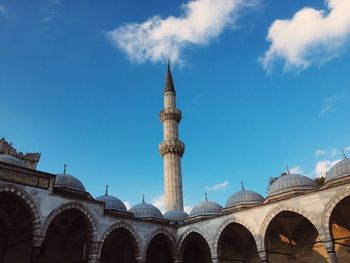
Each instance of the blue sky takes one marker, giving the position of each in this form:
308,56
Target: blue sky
261,85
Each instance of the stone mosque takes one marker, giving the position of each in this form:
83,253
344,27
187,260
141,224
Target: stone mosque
52,217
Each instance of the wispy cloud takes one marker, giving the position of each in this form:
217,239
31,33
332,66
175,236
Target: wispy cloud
159,202
188,209
310,37
158,39
320,152
2,10
216,187
127,204
328,103
296,170
322,167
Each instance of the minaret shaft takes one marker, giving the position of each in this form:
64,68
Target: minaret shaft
171,148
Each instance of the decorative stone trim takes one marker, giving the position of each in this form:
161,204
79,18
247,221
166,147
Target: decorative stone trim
171,240
170,114
136,238
274,212
189,231
77,206
172,146
31,205
329,209
222,227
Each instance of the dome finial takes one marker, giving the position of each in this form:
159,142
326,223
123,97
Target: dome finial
344,155
64,168
143,198
242,186
106,189
288,172
206,196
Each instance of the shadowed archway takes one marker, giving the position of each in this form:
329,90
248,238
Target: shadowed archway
195,249
237,244
159,250
339,225
16,229
290,237
67,238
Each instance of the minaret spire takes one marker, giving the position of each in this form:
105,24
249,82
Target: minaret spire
171,148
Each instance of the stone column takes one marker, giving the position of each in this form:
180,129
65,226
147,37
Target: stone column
36,249
94,252
329,245
263,256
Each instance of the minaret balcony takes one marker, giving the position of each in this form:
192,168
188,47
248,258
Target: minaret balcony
172,146
170,114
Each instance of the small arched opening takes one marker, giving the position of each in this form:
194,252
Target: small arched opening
67,238
16,229
290,237
159,250
236,244
195,249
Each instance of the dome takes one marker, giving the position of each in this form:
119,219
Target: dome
176,215
112,203
12,160
292,182
206,208
339,170
145,210
68,181
245,197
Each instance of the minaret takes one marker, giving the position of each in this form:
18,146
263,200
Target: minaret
171,149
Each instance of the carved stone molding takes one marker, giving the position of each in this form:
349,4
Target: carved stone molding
170,114
172,146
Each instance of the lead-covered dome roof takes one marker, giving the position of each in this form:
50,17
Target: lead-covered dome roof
340,169
111,202
244,197
68,181
176,215
206,208
6,158
292,182
145,210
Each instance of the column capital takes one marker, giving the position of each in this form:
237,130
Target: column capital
170,114
172,146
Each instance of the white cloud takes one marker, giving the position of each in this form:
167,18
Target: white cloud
127,204
159,202
158,39
217,187
2,9
188,209
320,152
323,166
296,170
310,37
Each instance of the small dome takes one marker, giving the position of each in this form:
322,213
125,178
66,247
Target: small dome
245,197
206,208
112,203
12,160
176,215
145,210
339,170
68,181
290,182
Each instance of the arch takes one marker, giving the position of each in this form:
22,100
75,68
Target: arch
171,239
69,206
282,208
130,229
32,206
187,233
329,209
222,227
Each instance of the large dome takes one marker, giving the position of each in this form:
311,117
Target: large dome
68,181
244,197
292,182
12,160
206,208
145,210
339,170
112,203
176,215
